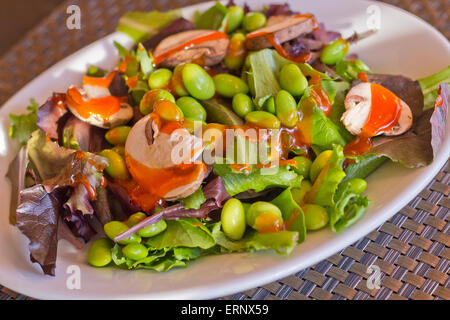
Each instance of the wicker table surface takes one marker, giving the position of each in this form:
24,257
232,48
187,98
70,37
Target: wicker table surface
411,249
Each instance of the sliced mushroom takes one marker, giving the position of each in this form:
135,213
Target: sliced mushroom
358,104
156,153
284,28
172,51
122,116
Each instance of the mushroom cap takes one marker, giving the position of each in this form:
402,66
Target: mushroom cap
358,104
207,53
157,153
284,28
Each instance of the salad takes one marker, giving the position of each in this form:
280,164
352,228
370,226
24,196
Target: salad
238,131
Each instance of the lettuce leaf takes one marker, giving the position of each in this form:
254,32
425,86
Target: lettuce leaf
211,18
348,208
195,200
236,183
283,242
364,166
21,126
143,25
326,184
293,215
188,232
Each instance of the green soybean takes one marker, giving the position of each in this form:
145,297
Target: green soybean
261,213
99,254
242,104
228,85
318,164
334,52
293,80
233,18
263,119
160,78
192,109
286,108
269,105
316,217
153,229
177,81
298,194
135,218
355,185
235,57
118,135
116,164
198,82
135,251
233,219
303,166
254,21
114,228
150,98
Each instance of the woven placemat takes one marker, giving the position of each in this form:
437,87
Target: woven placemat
411,250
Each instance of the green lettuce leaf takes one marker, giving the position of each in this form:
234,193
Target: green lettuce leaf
142,25
348,208
195,200
326,184
236,182
22,126
189,232
349,69
283,242
363,166
292,213
211,18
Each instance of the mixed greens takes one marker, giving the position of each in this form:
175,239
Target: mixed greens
100,157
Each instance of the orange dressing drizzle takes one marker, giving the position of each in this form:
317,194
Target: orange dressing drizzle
319,94
363,77
268,222
104,107
60,100
216,35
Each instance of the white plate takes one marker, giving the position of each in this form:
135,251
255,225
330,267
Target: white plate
404,45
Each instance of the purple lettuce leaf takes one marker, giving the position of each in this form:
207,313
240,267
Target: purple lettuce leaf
37,217
279,10
49,116
80,135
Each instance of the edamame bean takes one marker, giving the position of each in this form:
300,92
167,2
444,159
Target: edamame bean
269,105
286,108
293,80
160,78
117,168
316,217
153,229
228,85
263,119
198,82
233,219
303,166
135,218
135,251
242,104
118,135
176,83
235,57
233,18
148,101
168,110
318,164
114,228
264,217
254,21
99,254
334,52
298,194
120,150
192,109
355,185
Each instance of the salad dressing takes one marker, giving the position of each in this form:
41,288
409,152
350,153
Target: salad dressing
60,100
99,81
384,115
216,35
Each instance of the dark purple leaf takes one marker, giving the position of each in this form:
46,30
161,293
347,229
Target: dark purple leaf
325,36
102,209
177,26
118,87
123,197
79,133
78,224
49,115
37,218
65,233
216,190
279,10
